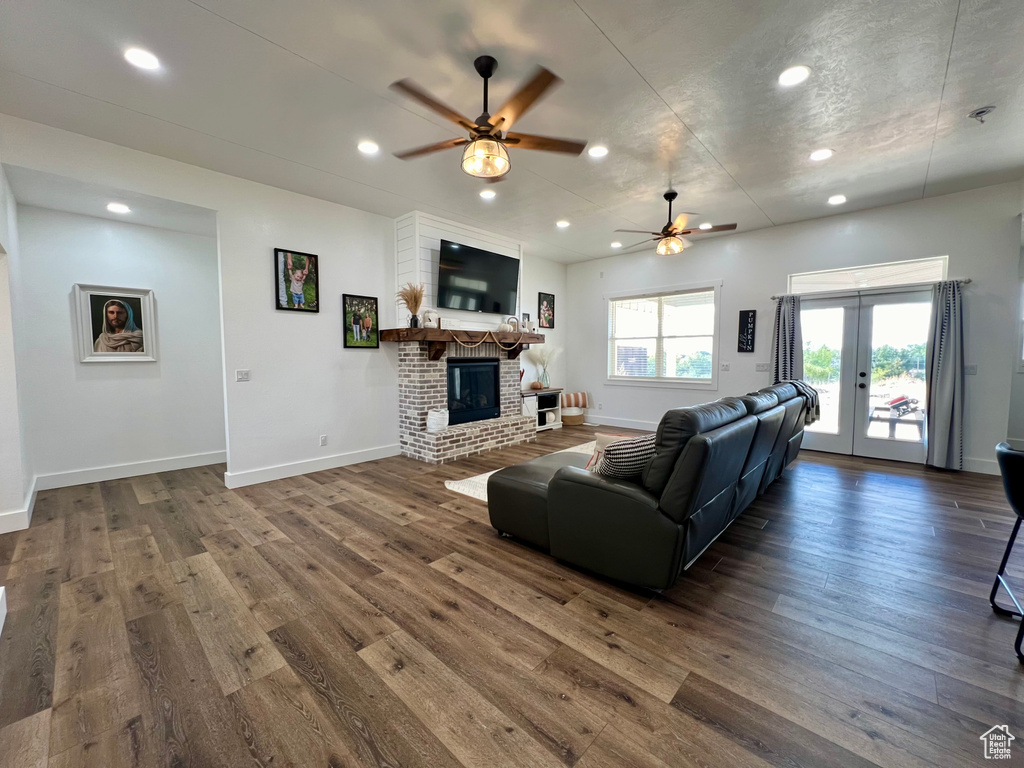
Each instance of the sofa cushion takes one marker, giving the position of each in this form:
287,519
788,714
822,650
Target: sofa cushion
676,428
626,459
759,402
782,391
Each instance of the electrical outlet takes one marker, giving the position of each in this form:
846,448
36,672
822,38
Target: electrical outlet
600,406
725,367
763,367
242,375
323,440
971,370
602,275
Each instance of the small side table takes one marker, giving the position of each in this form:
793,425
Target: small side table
539,403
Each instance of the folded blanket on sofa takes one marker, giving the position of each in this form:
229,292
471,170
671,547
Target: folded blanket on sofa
811,395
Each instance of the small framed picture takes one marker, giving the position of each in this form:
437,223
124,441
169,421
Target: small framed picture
298,281
546,310
115,325
361,327
526,317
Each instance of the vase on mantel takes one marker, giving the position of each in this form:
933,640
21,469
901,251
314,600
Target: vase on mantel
545,382
414,321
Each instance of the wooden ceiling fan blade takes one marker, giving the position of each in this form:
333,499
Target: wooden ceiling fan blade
524,98
413,91
646,242
680,221
639,232
545,143
441,145
719,228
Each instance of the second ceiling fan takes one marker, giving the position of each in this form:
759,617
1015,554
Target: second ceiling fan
670,239
486,155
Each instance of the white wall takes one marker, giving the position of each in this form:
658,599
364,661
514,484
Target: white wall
15,498
126,416
1016,427
549,277
979,230
303,383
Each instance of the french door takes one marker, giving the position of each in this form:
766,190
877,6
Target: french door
866,357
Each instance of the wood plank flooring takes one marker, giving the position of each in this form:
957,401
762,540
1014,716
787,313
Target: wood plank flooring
367,616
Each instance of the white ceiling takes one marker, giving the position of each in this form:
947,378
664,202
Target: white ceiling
682,93
47,190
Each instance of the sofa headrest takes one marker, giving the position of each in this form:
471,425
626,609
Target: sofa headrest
676,428
759,402
782,391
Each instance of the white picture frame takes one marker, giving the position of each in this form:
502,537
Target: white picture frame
139,307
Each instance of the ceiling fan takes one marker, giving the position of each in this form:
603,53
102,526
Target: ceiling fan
486,153
670,239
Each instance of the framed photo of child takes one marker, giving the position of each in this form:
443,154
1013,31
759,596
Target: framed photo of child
546,310
298,281
361,327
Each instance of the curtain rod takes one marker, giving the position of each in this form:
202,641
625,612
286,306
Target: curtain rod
881,288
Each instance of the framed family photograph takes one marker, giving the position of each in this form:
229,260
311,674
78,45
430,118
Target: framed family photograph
115,324
361,327
298,282
546,310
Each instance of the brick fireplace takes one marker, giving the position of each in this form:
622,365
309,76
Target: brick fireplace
423,384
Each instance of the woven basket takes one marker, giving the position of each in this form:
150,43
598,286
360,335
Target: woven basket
572,417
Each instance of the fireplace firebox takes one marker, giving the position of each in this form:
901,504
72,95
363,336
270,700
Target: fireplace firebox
473,389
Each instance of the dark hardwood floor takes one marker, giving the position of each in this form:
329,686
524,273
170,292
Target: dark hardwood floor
368,616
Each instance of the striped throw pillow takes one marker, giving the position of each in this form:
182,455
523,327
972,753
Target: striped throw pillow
626,459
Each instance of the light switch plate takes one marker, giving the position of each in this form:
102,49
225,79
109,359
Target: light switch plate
970,370
242,375
763,367
725,367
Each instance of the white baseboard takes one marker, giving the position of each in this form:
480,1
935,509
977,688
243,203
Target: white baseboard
3,608
605,421
18,519
280,471
985,466
118,471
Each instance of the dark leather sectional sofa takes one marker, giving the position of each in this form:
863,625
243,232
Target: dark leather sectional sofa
710,462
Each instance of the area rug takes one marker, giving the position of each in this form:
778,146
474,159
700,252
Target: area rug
476,486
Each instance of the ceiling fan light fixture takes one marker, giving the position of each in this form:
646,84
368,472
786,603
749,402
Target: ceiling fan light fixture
668,246
486,159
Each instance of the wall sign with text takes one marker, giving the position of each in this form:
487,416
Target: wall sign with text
748,327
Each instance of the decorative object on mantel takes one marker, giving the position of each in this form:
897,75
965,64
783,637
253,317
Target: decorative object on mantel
438,339
431,318
511,325
437,419
542,357
536,385
361,325
412,297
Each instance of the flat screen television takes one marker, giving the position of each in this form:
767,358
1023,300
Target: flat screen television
475,280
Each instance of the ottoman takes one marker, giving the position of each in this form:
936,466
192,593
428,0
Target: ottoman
517,497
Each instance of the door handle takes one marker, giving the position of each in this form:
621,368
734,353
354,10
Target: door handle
862,385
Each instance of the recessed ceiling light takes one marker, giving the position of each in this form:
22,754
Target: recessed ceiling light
821,154
141,58
597,151
368,147
487,194
562,224
837,200
794,75
706,225
118,208
616,244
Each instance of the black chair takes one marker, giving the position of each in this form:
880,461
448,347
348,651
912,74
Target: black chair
1011,465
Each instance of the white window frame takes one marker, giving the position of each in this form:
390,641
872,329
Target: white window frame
1020,326
664,382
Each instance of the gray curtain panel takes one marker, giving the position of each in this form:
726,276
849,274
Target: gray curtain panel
945,383
787,340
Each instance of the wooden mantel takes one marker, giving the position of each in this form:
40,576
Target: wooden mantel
439,338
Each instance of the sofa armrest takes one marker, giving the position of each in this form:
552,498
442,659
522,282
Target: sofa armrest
612,527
